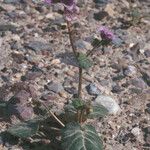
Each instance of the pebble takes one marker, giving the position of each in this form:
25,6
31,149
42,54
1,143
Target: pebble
92,89
138,82
136,131
38,46
32,75
130,71
148,108
71,90
55,87
147,53
108,102
80,44
116,89
7,27
100,15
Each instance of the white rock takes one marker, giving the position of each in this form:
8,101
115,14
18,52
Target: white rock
130,71
136,131
108,102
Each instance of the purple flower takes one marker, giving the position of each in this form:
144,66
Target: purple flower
71,12
106,34
70,8
48,1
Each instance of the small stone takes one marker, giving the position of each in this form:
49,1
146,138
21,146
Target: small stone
80,44
71,90
110,9
148,110
18,57
138,82
136,131
32,75
147,53
92,89
55,87
21,97
146,77
12,1
130,71
100,15
7,27
108,102
24,112
116,89
38,46
63,94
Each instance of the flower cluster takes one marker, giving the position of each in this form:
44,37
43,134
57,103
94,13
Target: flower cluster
70,8
106,35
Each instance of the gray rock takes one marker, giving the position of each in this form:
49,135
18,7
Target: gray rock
108,102
138,82
80,44
116,89
38,46
92,89
146,77
147,53
12,1
100,15
32,75
148,109
4,55
71,90
7,27
55,87
130,71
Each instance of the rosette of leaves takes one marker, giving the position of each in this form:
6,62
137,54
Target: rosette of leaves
77,136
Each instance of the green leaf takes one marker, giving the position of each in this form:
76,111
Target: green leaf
84,61
25,129
78,103
98,111
3,104
77,137
96,42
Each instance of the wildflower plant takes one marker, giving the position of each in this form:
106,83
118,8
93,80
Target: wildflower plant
75,133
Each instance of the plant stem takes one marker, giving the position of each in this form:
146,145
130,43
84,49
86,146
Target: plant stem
80,83
92,50
53,115
71,38
76,55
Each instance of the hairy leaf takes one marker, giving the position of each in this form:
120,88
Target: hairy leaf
78,103
84,61
25,129
3,104
96,42
98,111
77,137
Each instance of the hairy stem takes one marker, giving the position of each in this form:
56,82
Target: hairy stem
71,38
80,83
76,55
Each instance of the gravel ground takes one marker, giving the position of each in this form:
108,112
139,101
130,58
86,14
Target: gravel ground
36,61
